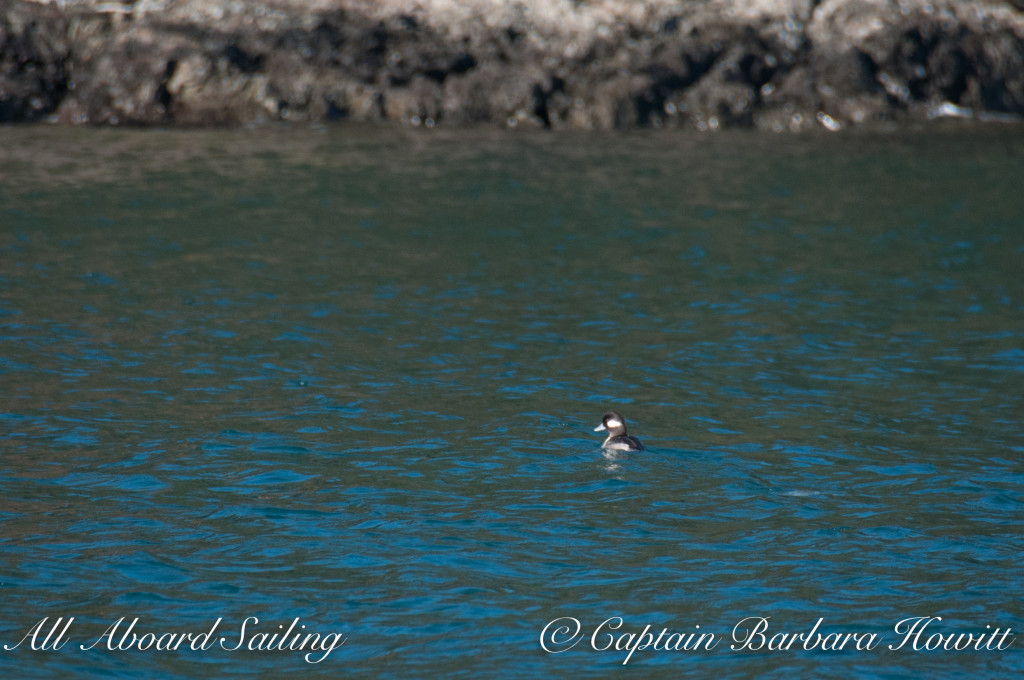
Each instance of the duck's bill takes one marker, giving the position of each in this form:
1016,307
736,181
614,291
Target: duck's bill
600,428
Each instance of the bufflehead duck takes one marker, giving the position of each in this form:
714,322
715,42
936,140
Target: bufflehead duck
617,437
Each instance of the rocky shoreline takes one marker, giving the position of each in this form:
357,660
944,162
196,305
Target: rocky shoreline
561,64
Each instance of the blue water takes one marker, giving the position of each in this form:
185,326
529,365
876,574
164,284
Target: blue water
350,376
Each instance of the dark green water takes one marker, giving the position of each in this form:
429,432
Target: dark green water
351,376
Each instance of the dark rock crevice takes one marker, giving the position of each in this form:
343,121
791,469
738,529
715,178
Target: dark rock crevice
163,96
242,60
34,64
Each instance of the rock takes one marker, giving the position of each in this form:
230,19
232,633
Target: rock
34,61
912,57
771,64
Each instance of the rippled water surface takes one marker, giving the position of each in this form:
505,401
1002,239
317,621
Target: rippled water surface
351,376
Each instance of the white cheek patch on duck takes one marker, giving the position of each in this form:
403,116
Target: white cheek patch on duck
614,423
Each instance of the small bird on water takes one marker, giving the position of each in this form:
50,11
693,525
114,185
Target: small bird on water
617,439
